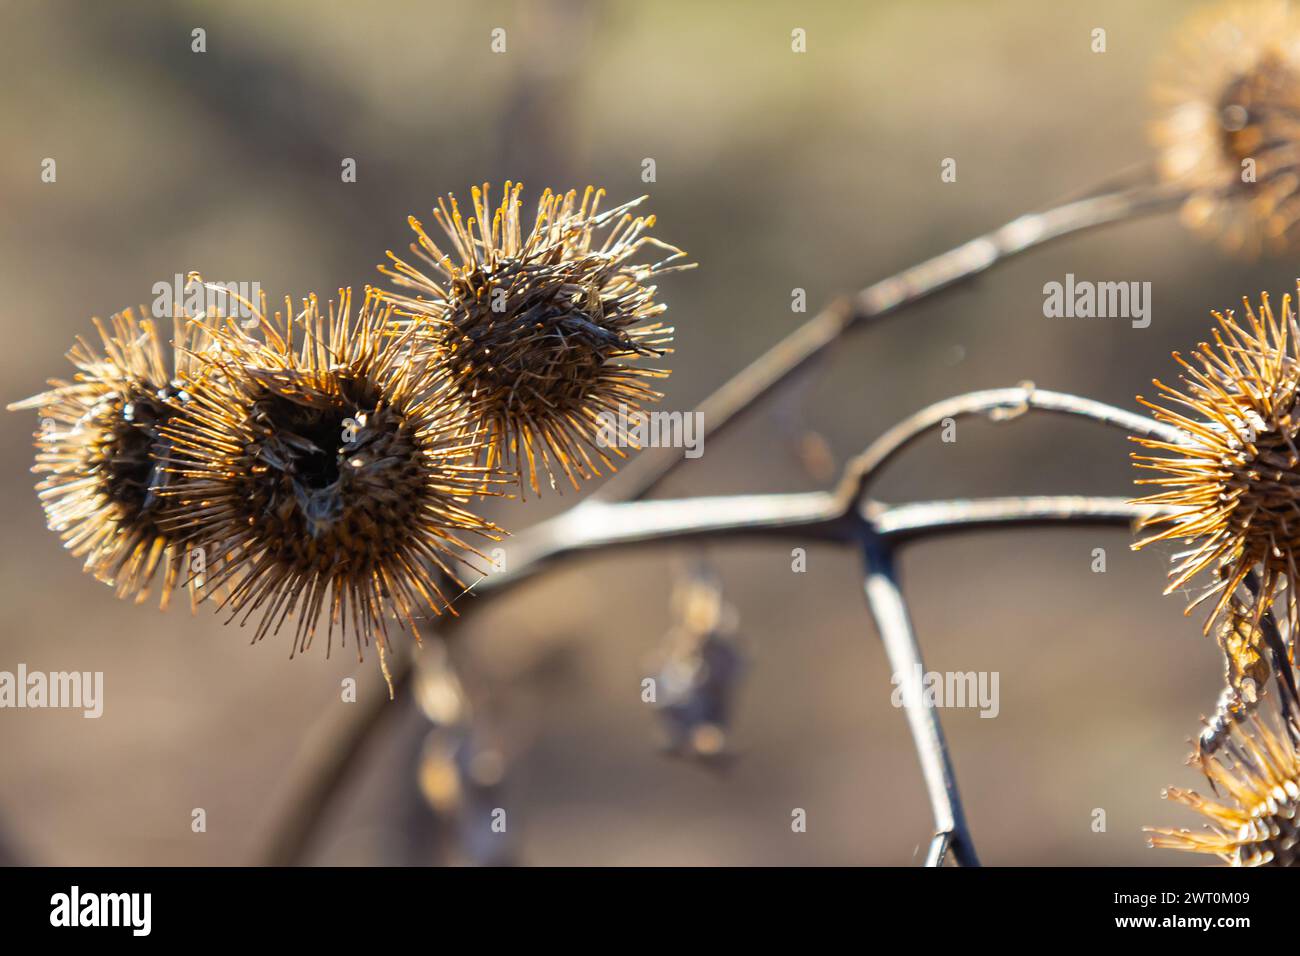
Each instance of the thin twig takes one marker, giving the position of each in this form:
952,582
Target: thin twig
939,845
1277,652
740,394
332,746
827,516
809,516
889,609
799,517
1280,659
900,523
1003,402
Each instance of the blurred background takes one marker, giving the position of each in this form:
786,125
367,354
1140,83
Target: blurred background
775,170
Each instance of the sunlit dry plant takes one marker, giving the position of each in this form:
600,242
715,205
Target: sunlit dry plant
1242,642
1258,770
100,447
540,328
1246,671
1232,487
1229,124
326,474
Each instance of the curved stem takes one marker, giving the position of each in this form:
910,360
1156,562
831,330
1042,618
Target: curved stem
322,766
804,517
571,532
652,465
826,516
998,402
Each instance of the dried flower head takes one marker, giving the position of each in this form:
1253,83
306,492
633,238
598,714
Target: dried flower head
540,328
1229,124
1258,769
101,449
324,473
1233,483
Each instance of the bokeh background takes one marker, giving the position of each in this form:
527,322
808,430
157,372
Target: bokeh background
775,171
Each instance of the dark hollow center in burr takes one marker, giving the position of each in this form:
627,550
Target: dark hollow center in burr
311,438
135,455
308,440
340,471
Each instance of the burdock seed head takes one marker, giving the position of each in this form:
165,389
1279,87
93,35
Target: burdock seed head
101,449
539,328
1232,485
1258,770
1229,123
326,474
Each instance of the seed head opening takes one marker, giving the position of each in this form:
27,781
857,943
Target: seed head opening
102,451
1229,124
539,330
327,473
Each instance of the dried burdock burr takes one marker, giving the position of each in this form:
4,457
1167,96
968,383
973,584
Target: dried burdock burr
541,330
1229,124
328,475
1231,487
1257,770
103,454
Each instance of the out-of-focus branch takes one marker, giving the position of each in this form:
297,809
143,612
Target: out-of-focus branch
726,405
889,609
323,763
827,516
838,517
